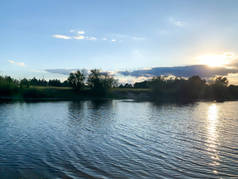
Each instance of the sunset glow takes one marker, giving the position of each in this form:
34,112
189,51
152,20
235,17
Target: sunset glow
215,60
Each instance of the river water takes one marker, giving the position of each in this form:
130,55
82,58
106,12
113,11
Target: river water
118,139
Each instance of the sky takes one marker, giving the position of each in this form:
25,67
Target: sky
114,35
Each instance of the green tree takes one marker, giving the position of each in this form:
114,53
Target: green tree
54,82
8,86
193,88
76,80
100,83
220,90
24,83
221,81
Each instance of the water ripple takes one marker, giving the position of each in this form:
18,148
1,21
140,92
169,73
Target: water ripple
118,139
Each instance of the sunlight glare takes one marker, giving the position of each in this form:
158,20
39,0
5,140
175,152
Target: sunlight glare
215,60
212,121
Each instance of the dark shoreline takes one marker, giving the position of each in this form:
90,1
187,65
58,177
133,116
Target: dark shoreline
130,97
159,90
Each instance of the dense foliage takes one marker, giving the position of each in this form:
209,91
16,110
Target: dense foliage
26,83
127,85
99,84
8,86
191,89
76,80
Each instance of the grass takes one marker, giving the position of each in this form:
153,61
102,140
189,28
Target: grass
51,87
131,89
50,93
130,93
67,93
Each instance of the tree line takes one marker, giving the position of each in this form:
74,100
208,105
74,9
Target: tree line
97,82
191,89
161,88
42,82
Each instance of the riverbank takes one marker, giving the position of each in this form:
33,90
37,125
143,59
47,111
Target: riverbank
67,93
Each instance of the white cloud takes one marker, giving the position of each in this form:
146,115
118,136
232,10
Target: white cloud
176,22
225,59
11,61
21,64
81,32
131,79
232,78
58,36
79,37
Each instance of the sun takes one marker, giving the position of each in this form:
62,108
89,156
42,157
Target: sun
215,60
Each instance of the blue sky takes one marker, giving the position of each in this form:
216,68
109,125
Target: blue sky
112,34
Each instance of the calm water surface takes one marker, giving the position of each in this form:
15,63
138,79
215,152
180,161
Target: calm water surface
118,139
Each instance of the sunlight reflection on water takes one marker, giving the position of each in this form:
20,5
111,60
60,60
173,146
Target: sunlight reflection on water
212,120
118,139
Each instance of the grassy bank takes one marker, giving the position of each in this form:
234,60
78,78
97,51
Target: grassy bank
67,93
159,89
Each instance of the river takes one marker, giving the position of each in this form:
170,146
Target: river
118,139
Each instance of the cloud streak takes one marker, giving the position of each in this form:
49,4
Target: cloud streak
182,71
81,35
58,36
179,71
21,64
81,32
77,35
61,71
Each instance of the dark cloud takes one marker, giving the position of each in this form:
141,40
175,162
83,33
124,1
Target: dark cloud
65,71
181,71
68,71
61,71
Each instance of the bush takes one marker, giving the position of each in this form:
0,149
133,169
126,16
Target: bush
33,93
100,83
8,86
76,80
